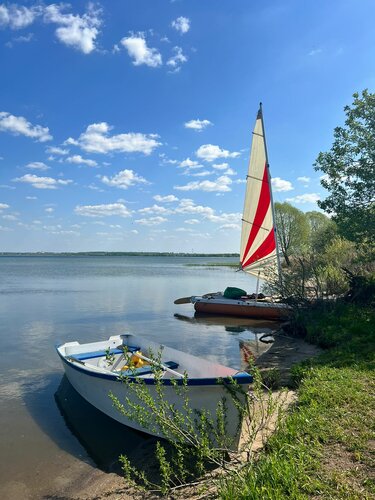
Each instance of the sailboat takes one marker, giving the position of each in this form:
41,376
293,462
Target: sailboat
258,252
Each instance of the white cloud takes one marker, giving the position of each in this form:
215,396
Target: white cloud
220,166
152,221
303,179
221,184
96,139
279,185
165,199
197,125
4,228
181,24
3,206
190,164
42,182
202,173
305,198
230,171
177,59
79,32
49,210
18,125
187,206
20,39
192,221
57,151
103,210
140,53
155,209
124,179
225,218
9,217
31,198
17,16
78,160
237,227
37,165
209,152
315,52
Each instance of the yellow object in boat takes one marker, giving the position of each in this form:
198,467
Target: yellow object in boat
135,362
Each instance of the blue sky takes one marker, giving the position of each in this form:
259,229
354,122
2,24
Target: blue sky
126,125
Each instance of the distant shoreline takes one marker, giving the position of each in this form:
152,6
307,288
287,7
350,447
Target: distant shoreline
114,254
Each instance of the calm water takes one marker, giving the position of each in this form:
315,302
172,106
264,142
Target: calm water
47,432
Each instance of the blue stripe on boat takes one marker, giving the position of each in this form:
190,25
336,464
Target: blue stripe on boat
82,356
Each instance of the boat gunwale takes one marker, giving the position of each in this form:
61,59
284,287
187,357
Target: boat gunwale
241,377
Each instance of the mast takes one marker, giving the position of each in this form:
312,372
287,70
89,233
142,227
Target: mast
272,205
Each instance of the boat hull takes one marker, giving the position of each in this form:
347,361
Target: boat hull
204,394
249,309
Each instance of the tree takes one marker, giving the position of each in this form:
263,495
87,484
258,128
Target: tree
322,230
349,171
292,230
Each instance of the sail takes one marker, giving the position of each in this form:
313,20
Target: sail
258,238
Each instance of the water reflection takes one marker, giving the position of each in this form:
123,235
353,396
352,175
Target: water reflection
255,337
103,438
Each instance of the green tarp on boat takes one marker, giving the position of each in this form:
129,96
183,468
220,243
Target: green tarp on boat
233,293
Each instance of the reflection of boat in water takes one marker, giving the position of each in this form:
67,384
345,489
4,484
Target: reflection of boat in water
255,337
229,322
103,438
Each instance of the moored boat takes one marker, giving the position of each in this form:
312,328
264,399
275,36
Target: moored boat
259,254
242,307
97,369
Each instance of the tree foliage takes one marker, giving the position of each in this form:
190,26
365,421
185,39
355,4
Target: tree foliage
322,230
292,230
349,171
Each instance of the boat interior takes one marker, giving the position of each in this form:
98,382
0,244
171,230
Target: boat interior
130,362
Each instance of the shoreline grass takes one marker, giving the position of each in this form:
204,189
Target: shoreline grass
325,446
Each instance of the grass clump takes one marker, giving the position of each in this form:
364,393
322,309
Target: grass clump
324,448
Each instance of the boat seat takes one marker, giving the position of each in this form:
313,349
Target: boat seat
143,370
82,356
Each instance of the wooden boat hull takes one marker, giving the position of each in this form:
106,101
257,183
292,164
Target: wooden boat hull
241,308
204,393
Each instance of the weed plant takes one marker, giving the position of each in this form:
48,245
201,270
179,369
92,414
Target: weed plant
196,442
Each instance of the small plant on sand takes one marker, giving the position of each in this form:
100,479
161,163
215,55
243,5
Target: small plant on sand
198,446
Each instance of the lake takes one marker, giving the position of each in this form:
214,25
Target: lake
49,436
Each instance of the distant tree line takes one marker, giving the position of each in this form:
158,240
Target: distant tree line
116,254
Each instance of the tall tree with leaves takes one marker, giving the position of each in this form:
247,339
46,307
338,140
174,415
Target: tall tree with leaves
349,171
322,230
292,230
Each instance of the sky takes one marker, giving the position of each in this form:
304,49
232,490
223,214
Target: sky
126,125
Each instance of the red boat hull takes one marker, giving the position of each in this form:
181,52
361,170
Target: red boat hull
243,309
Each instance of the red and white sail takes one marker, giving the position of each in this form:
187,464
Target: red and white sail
258,238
